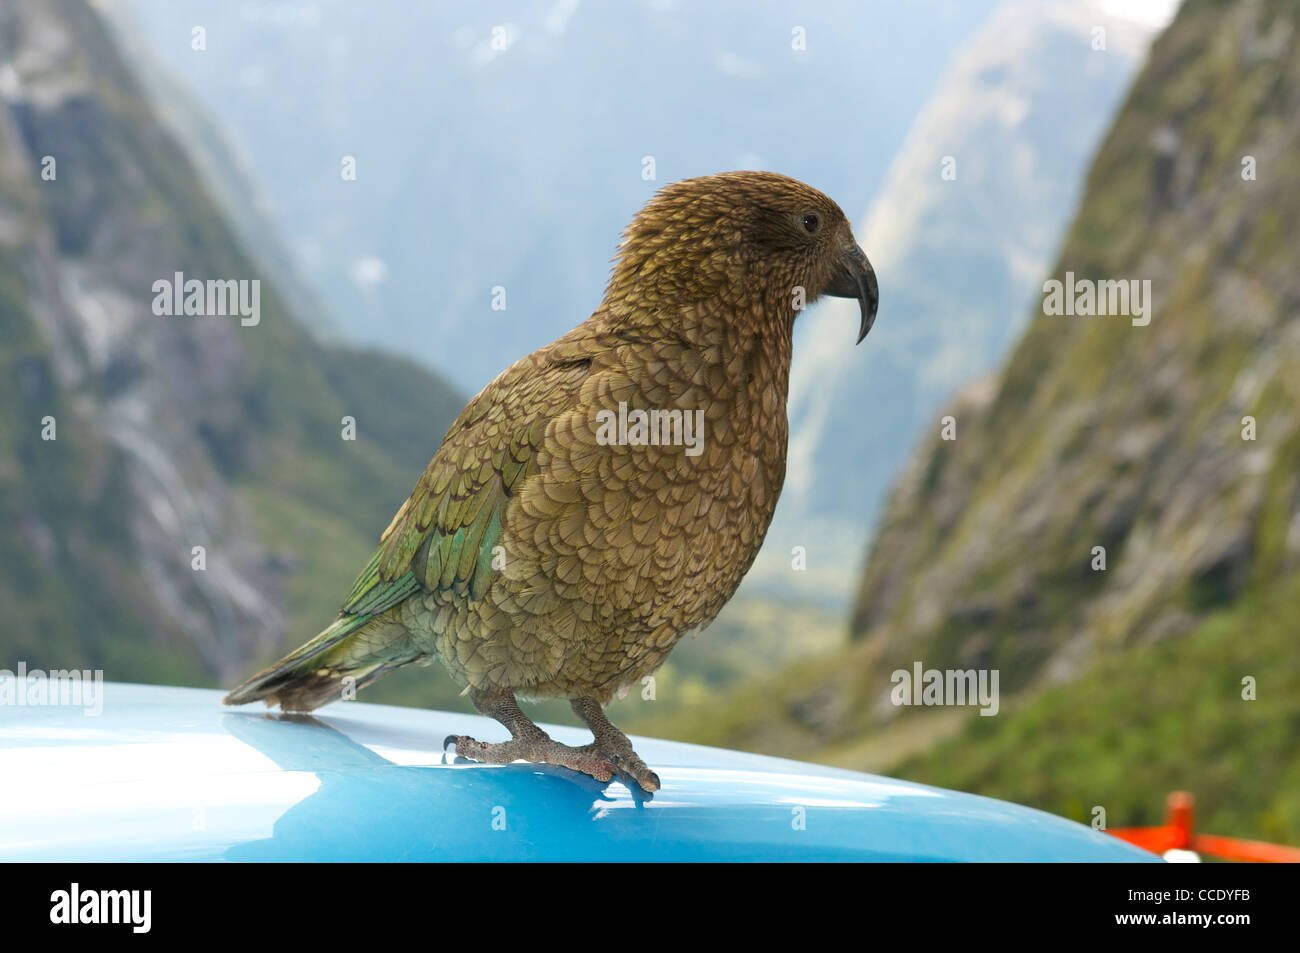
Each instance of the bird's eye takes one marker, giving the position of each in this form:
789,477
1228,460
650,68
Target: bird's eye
810,222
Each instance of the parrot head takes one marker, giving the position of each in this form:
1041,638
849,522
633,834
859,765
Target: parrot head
747,238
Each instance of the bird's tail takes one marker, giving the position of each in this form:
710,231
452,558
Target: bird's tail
353,652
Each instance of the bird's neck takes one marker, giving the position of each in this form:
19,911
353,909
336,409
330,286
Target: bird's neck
745,335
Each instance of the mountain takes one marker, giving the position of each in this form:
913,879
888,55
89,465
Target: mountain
1170,439
966,221
169,432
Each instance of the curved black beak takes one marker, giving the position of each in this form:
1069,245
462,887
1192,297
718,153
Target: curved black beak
857,279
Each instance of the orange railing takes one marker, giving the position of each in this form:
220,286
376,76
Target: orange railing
1179,833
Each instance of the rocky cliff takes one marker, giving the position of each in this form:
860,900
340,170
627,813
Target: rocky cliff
169,432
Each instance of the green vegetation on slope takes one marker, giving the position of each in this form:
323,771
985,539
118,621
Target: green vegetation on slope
1159,718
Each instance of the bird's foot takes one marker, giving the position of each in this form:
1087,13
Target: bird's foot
594,760
609,754
539,750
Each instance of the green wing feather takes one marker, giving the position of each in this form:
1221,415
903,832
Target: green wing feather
445,534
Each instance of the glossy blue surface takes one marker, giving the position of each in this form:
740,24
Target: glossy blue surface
168,774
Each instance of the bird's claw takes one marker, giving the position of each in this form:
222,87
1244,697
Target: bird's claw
632,767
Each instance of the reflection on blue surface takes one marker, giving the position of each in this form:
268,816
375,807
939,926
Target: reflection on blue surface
169,774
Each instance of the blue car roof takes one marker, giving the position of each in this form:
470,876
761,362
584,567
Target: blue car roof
169,774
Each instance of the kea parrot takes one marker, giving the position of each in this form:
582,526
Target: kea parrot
538,556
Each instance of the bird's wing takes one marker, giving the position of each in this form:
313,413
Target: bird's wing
444,534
